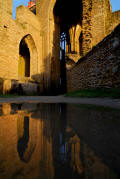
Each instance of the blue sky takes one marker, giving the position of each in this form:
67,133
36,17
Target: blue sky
18,3
115,5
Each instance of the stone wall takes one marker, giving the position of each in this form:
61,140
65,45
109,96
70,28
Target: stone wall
41,34
11,34
114,20
30,133
51,44
27,26
103,20
100,68
86,33
13,128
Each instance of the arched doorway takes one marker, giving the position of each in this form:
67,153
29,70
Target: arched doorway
24,60
28,57
57,20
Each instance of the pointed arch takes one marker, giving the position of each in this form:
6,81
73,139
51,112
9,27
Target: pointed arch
28,57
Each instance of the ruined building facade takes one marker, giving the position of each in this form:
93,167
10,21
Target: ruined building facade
30,46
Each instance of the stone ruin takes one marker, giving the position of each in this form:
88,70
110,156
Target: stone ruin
50,47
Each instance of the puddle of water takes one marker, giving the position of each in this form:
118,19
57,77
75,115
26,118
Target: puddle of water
57,141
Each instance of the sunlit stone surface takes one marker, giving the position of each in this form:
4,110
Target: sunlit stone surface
45,141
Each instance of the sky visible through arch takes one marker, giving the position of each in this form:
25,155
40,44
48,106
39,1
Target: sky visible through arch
115,5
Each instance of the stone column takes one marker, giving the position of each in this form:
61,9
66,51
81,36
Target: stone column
98,21
51,43
86,26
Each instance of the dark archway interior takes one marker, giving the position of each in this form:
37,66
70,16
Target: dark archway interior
23,140
80,43
69,13
24,60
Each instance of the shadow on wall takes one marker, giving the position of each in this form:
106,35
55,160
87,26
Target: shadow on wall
12,86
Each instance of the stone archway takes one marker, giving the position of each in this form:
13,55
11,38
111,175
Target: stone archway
28,57
55,15
51,46
24,60
53,19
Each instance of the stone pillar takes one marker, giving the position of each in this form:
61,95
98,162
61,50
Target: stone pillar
86,26
98,21
77,36
51,44
108,16
72,38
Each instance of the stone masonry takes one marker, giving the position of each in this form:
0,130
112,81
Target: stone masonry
26,26
100,68
30,45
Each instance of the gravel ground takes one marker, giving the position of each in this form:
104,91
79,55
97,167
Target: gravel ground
106,102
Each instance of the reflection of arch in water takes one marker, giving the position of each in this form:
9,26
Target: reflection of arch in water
6,108
74,146
26,138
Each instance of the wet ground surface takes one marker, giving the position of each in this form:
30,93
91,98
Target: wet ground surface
59,141
107,102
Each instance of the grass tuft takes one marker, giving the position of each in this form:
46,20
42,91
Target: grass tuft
112,93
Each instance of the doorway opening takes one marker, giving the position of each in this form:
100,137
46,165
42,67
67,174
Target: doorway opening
24,60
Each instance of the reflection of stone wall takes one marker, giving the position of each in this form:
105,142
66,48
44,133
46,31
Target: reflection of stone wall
73,145
93,166
84,162
98,128
51,144
38,151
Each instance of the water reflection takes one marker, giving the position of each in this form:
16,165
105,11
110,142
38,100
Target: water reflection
23,138
57,141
